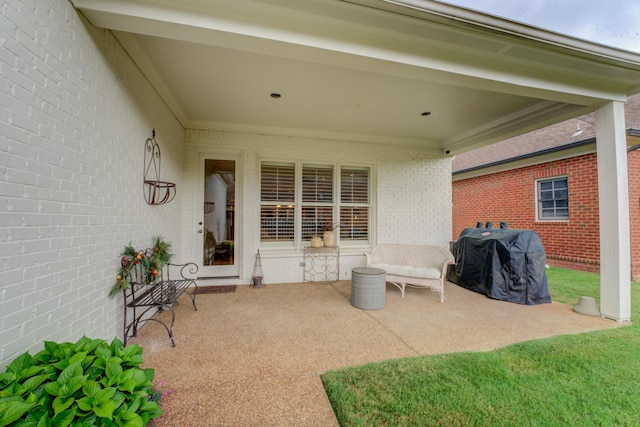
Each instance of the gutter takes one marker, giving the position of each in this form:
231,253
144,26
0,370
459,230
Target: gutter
499,25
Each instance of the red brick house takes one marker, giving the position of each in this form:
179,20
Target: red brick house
547,181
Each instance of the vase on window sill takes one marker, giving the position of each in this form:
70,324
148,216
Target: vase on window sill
329,239
316,242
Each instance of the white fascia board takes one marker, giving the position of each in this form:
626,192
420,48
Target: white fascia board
506,26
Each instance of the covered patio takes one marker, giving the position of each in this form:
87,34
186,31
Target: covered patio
372,82
254,356
385,90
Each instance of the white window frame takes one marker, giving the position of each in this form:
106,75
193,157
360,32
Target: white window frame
299,240
325,210
538,190
364,205
282,206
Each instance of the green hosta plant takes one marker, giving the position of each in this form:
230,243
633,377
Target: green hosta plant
89,382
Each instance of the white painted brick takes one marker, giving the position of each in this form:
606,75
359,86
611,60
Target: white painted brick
13,104
21,177
10,189
13,161
13,133
22,205
66,114
14,292
22,233
75,107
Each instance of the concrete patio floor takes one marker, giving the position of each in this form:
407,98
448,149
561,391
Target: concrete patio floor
255,356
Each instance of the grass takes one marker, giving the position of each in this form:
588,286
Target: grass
589,379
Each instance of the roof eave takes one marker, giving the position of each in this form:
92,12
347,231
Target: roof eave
542,156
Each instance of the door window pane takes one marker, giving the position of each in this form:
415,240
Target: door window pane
219,212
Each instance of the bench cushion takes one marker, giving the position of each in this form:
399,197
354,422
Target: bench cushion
406,270
417,266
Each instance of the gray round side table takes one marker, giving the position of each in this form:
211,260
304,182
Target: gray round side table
368,287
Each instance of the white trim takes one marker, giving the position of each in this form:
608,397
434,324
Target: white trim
613,201
198,200
337,166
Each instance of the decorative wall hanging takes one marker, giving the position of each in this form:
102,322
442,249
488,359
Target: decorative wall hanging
156,192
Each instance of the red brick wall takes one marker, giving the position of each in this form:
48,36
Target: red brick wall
633,161
510,196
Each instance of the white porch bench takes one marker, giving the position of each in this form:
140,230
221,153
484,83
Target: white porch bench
412,265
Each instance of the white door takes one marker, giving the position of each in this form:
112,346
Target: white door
217,221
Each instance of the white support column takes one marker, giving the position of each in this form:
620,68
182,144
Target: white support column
613,189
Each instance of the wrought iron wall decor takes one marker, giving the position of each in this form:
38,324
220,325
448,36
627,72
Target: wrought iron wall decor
156,192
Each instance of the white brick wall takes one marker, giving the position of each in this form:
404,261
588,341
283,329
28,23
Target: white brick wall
414,199
74,115
412,202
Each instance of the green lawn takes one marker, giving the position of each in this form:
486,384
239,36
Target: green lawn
590,379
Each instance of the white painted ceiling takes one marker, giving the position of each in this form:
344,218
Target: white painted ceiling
361,70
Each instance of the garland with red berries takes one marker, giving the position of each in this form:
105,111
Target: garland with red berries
150,261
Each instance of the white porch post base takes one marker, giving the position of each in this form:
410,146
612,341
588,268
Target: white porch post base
613,189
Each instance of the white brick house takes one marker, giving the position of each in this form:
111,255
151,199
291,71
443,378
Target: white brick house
80,93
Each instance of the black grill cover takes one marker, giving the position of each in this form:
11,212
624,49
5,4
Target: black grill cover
504,264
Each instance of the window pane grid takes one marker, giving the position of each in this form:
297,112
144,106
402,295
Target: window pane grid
317,184
553,199
354,185
314,218
354,204
297,207
277,223
354,223
277,183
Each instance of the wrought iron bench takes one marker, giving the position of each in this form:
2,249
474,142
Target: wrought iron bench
150,291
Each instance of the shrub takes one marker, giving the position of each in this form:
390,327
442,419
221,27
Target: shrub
89,382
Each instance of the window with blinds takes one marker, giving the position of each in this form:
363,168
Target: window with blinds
317,199
314,218
277,196
317,184
354,204
303,205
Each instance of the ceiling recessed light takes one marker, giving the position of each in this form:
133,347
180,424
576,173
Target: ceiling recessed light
275,95
426,113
